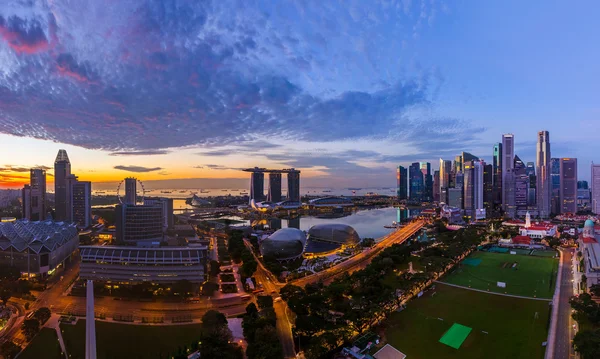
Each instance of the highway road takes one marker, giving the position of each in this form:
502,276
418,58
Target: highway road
564,328
361,260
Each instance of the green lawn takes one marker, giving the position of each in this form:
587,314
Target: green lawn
124,341
533,275
514,329
44,345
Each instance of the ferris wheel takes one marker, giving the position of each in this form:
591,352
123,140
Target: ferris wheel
140,191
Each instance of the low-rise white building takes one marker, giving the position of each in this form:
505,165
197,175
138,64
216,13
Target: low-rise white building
590,248
537,230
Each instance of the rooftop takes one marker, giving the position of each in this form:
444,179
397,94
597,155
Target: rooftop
37,236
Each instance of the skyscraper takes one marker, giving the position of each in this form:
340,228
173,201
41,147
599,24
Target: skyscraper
62,197
595,180
130,190
34,196
543,187
274,187
445,170
488,188
436,186
473,189
568,185
508,155
166,205
81,203
401,176
521,184
530,169
427,181
293,178
416,182
257,186
497,169
555,181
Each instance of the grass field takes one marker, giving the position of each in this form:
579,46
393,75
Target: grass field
514,329
44,345
123,341
532,276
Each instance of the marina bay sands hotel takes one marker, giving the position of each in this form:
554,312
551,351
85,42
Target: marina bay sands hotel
257,184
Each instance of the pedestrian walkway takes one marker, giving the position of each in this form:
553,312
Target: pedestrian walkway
502,294
54,323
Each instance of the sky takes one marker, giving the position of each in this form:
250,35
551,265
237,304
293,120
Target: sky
177,91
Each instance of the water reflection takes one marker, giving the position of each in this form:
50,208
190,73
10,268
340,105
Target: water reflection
367,223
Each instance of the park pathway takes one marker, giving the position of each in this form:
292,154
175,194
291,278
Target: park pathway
502,294
54,323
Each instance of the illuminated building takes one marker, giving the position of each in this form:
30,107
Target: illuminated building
555,182
62,197
36,248
543,170
81,203
595,197
401,177
568,185
139,225
508,176
131,265
130,190
34,196
293,178
274,187
166,205
416,182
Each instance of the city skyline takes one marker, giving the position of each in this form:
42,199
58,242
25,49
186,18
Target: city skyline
362,65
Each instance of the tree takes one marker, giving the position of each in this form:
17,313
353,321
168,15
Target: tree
182,287
209,288
9,349
216,338
595,290
248,268
266,345
30,328
5,293
264,301
42,315
215,268
587,343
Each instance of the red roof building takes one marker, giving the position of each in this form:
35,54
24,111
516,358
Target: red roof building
526,240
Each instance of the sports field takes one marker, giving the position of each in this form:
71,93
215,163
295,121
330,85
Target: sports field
524,275
515,327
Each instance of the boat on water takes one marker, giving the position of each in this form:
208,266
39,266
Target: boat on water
393,225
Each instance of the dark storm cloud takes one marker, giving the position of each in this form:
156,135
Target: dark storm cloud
138,169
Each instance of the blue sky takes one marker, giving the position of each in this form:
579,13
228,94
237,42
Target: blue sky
344,90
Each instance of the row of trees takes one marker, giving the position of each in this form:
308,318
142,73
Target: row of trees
215,340
259,330
32,326
239,253
587,312
328,316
